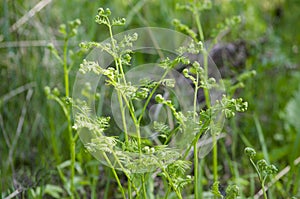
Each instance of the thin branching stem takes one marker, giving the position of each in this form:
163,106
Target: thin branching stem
260,177
263,187
66,71
129,189
123,169
129,105
144,186
206,90
150,97
196,162
171,183
68,116
168,192
115,175
119,68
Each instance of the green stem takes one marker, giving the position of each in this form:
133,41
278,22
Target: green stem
139,136
196,170
256,170
263,187
195,140
72,154
171,183
215,157
130,106
123,116
122,168
205,55
94,187
119,70
115,175
196,161
129,103
107,186
168,192
195,96
206,90
260,177
129,189
150,96
68,115
116,59
198,22
144,187
66,71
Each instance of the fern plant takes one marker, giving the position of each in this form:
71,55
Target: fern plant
129,151
262,168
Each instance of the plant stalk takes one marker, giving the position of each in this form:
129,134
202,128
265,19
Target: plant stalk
68,116
115,175
206,91
196,161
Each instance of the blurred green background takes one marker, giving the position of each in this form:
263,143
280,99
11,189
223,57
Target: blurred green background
33,129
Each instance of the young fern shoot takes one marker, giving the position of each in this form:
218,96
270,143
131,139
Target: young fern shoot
136,155
262,168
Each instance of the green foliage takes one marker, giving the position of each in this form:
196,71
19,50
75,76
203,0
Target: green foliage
176,172
262,168
215,189
40,129
232,191
230,106
150,158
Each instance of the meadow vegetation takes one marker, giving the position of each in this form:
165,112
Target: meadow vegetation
254,126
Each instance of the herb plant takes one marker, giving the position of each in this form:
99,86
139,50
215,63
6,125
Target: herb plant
150,106
130,152
262,168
